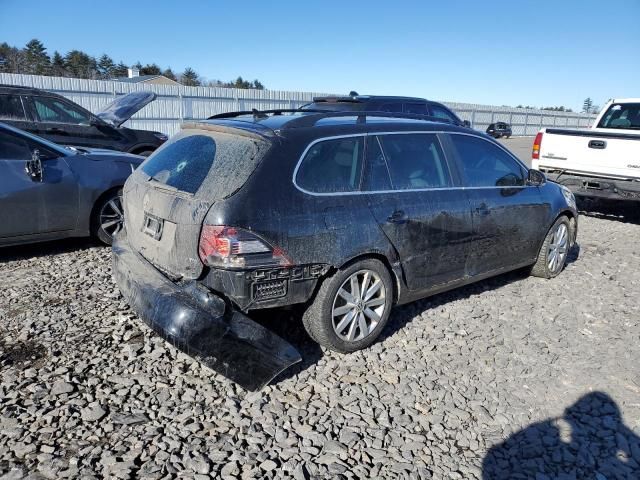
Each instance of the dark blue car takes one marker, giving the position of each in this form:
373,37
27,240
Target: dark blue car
49,192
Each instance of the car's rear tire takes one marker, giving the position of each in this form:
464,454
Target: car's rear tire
108,216
552,256
351,307
145,153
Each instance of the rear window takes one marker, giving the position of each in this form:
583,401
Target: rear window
622,115
11,108
215,163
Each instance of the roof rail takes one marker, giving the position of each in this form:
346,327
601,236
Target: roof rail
259,113
311,119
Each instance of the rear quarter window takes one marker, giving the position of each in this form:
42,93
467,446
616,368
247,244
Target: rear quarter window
212,164
11,108
332,166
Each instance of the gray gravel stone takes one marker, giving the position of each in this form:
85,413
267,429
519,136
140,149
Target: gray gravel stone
482,372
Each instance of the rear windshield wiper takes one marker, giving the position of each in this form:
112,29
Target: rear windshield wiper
162,185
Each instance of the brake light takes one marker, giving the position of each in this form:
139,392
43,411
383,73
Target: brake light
535,153
230,247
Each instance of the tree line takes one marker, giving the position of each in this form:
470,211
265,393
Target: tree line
33,59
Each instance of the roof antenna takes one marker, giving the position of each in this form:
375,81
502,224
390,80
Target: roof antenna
258,114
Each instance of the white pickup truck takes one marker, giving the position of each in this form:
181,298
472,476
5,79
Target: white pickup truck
600,161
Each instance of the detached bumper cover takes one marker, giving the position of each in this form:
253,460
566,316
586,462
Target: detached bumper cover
199,322
590,186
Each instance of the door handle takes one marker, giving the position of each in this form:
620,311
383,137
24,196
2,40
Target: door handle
397,217
483,210
58,131
599,144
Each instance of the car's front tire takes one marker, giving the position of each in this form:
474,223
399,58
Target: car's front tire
108,217
552,256
351,307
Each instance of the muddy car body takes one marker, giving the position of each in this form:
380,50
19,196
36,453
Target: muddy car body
348,215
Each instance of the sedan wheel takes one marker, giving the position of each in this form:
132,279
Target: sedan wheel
358,306
108,218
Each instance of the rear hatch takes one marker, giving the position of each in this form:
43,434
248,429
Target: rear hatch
167,198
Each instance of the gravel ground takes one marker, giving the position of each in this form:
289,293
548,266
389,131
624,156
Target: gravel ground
501,379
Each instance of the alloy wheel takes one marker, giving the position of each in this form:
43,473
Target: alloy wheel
358,306
558,248
112,216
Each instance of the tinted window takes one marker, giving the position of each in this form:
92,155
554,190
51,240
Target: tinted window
11,108
389,107
416,108
621,115
377,177
58,111
12,147
332,166
439,112
216,163
485,164
415,161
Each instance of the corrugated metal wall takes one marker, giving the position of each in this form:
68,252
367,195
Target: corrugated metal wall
177,103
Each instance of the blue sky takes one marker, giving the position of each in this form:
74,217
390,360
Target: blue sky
539,53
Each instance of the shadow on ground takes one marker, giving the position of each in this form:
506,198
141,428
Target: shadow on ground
619,211
589,441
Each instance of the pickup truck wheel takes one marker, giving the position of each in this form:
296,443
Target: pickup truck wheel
108,217
553,253
351,307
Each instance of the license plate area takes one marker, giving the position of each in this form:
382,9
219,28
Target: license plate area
152,226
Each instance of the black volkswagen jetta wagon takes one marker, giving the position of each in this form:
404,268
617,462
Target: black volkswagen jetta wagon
347,214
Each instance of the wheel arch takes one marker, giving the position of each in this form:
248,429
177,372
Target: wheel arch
395,273
96,203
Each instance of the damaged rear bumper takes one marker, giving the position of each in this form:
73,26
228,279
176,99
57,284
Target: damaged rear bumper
591,186
200,323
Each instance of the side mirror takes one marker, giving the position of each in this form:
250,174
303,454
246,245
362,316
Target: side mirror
33,167
536,178
466,123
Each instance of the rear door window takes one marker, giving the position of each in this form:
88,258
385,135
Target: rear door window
11,108
485,164
332,166
204,161
415,161
416,108
54,110
377,177
439,112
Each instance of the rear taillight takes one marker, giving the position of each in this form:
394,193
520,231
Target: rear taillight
230,247
535,153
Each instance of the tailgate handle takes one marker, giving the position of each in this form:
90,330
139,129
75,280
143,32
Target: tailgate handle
599,144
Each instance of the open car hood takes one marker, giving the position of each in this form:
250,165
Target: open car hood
123,108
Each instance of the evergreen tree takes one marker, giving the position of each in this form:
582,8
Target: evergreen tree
150,69
169,74
106,67
258,85
36,58
57,65
80,65
587,106
120,70
189,78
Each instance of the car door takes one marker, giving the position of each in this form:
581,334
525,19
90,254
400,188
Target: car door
33,205
507,212
65,123
12,112
413,199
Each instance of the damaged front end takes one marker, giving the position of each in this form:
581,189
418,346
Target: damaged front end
200,323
